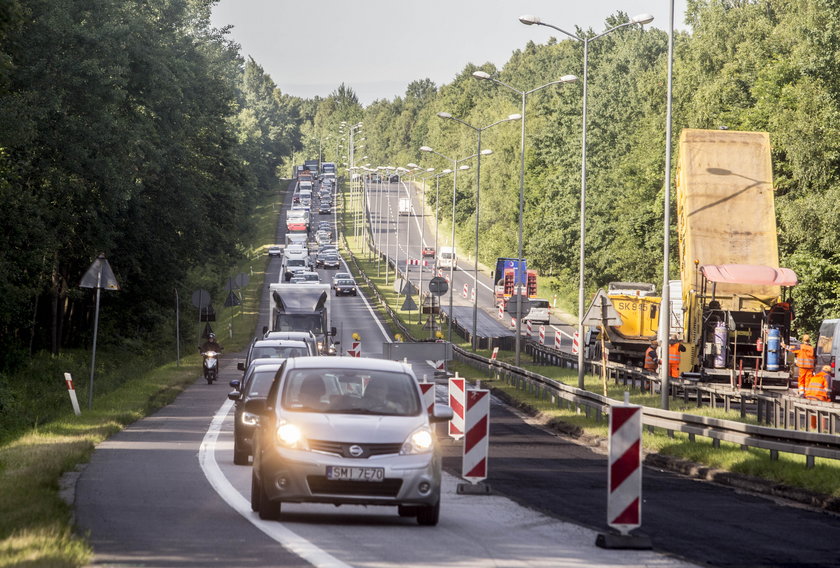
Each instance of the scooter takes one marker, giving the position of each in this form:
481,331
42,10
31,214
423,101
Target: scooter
211,366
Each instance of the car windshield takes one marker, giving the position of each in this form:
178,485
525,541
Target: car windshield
260,381
351,391
345,282
296,262
277,351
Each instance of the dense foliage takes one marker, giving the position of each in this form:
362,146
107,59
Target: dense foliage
766,65
130,128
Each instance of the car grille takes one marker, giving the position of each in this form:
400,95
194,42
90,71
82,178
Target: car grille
318,484
343,448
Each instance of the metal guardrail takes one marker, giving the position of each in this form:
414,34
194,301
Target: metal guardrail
782,412
776,440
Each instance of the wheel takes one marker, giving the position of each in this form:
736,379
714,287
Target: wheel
268,510
240,456
407,510
428,516
255,494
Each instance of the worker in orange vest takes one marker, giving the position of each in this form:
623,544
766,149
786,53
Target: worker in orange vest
651,357
817,386
804,360
674,349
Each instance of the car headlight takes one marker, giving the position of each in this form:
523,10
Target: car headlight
421,441
249,419
290,436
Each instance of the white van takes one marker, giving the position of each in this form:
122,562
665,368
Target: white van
447,258
540,311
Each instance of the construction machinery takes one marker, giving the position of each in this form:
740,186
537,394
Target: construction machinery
735,316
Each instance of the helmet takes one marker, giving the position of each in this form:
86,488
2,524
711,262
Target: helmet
826,368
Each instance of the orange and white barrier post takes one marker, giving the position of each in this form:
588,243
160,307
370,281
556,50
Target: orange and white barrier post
542,335
624,506
72,391
428,391
495,354
457,398
355,349
477,439
529,327
472,295
558,338
575,346
501,311
466,291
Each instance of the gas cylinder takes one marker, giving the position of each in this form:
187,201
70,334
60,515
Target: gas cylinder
721,336
774,349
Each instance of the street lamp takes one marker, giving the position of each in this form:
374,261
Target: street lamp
641,19
521,277
455,169
478,131
414,167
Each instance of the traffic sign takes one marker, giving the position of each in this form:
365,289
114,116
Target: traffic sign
601,312
409,304
510,306
438,286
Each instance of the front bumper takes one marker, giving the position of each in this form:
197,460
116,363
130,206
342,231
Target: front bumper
299,476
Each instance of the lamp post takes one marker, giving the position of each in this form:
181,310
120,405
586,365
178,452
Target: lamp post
399,172
415,170
665,308
455,169
478,131
534,20
521,277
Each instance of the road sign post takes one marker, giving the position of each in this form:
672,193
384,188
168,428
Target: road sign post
98,276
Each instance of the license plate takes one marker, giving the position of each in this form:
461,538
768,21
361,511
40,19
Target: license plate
336,473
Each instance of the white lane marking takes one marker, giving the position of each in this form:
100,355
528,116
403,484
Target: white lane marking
385,335
276,531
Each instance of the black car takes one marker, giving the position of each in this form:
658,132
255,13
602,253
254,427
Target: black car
331,260
345,287
255,385
324,209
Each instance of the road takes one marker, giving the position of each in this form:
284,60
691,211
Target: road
164,492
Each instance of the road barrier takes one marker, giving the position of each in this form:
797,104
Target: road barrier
477,439
428,390
355,349
624,479
542,335
457,399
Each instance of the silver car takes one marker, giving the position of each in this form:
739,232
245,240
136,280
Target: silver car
346,431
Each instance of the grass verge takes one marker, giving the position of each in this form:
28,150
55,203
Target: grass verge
36,526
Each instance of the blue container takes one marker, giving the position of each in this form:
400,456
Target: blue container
721,336
774,349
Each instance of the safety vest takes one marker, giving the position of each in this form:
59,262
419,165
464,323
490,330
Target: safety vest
674,359
650,359
817,387
804,356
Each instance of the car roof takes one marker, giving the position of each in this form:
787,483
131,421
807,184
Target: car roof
266,362
338,363
279,343
290,335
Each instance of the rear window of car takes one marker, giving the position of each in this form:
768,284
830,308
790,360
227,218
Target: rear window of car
539,304
351,391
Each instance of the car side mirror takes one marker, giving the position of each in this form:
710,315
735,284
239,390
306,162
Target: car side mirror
234,395
235,384
441,413
333,331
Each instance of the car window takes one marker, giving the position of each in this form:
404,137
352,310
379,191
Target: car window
260,382
539,304
351,391
345,282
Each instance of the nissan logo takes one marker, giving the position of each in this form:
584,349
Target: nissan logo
356,451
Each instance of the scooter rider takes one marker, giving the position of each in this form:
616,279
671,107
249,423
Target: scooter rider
211,344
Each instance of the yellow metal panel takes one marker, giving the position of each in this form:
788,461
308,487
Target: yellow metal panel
635,312
725,205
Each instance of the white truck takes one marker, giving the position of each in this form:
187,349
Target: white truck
447,258
405,206
303,307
